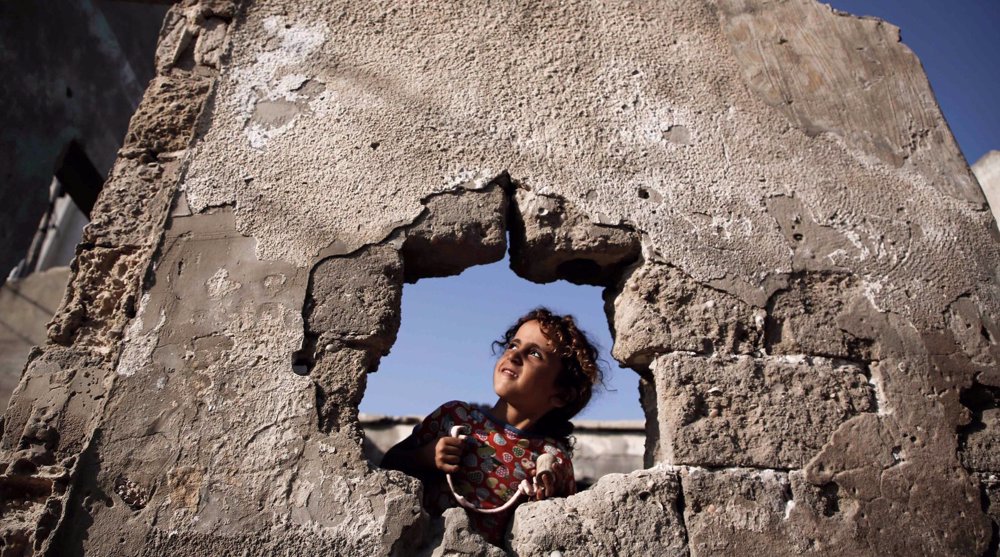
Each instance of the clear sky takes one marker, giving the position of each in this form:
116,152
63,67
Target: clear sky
958,43
443,350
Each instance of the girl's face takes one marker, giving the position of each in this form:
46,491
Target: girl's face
526,373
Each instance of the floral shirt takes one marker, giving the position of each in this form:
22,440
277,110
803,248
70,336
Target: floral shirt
497,458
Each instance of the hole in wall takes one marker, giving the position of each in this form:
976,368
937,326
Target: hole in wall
443,352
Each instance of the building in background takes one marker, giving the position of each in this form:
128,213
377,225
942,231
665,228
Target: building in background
74,73
613,447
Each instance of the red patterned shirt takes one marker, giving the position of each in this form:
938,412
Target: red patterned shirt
498,456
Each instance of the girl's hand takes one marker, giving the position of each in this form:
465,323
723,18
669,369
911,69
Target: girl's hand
545,486
448,453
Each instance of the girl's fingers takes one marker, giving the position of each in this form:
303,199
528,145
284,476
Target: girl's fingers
448,454
548,483
545,486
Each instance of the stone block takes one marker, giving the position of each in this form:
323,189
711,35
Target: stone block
459,538
774,412
659,309
812,315
746,512
53,403
974,321
634,514
340,377
736,512
211,45
100,299
166,117
895,477
457,230
356,298
551,240
133,203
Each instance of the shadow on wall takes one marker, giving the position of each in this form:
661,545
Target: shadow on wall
76,71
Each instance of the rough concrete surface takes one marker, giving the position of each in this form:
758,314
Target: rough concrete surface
796,258
634,514
553,240
774,412
666,311
739,511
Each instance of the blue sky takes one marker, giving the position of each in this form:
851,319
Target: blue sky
443,350
958,43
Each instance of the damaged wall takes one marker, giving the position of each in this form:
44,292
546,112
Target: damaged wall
796,258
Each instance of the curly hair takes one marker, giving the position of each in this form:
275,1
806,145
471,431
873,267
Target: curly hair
581,369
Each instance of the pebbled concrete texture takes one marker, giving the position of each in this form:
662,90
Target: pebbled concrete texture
796,259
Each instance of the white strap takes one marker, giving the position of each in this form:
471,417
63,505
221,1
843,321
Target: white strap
544,464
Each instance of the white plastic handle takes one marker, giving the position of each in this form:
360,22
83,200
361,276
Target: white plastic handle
544,464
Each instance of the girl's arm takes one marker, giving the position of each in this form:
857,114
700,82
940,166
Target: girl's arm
410,458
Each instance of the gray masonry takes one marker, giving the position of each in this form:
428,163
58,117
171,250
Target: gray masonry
796,260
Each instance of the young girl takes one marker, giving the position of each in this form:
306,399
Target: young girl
544,377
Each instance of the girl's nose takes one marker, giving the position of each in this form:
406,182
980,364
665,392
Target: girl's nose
515,356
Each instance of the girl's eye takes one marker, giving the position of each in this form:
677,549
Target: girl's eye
536,353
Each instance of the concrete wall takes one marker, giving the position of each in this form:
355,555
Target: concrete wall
796,259
74,70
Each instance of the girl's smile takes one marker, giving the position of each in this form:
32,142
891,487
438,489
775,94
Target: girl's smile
525,375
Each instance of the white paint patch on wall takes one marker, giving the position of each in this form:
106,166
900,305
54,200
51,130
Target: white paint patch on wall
264,80
220,285
139,346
